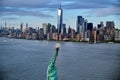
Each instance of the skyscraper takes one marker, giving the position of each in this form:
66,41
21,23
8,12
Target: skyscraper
110,24
5,24
60,19
89,26
44,25
85,25
26,25
48,27
89,29
110,30
21,27
63,30
80,24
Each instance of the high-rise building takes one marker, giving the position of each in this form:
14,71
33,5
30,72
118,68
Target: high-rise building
110,33
99,26
89,26
52,29
44,25
89,30
26,29
60,19
80,24
102,25
41,34
85,25
69,32
63,31
5,24
26,25
48,27
21,27
110,24
116,34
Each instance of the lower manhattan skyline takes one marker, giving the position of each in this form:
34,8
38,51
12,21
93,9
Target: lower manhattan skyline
37,12
59,39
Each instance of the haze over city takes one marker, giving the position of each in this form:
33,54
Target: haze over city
36,12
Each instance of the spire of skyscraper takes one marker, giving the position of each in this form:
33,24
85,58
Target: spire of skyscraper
5,24
26,24
60,4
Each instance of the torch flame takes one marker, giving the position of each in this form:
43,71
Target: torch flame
57,45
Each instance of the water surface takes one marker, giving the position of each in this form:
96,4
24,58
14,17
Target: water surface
28,60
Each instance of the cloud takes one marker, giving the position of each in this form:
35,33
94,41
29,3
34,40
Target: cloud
105,11
25,3
55,3
10,11
114,9
24,8
118,4
38,7
89,4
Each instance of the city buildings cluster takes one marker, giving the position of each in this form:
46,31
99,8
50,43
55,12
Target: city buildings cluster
85,31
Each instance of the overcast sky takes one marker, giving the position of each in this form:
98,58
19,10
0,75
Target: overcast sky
36,12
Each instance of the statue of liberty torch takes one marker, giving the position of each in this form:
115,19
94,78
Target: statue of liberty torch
51,70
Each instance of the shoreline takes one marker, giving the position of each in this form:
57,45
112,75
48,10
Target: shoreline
90,42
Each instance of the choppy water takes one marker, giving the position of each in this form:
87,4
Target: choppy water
28,60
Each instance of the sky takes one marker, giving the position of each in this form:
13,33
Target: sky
36,12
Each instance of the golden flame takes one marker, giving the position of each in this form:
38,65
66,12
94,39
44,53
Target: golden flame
57,45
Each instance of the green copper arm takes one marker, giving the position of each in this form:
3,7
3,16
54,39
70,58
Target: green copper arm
52,71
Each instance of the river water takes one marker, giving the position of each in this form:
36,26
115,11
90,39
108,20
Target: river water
28,60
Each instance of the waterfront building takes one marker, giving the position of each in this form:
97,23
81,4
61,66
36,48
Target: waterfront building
48,27
100,32
116,33
49,36
89,30
55,36
95,35
110,24
110,30
119,34
63,32
69,32
41,34
34,36
78,37
52,29
81,26
60,37
86,36
73,34
78,24
85,25
102,24
44,26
